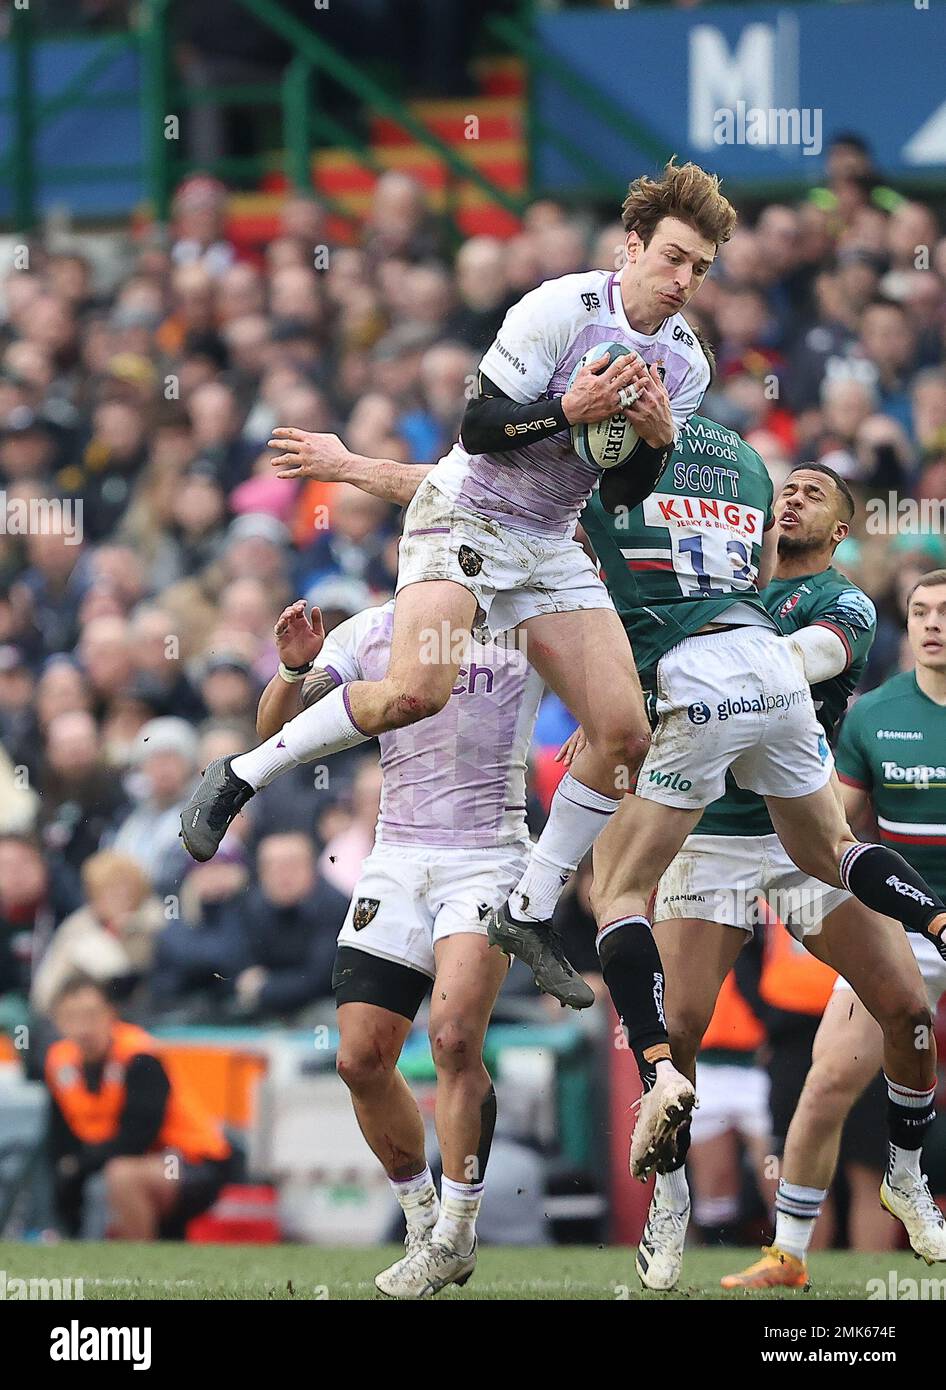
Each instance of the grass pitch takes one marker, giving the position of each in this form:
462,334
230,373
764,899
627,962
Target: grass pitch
168,1272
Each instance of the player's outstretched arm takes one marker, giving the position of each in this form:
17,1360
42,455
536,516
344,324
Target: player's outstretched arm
299,640
325,458
819,651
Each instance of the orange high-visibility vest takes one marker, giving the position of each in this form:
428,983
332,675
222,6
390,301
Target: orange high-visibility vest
792,979
93,1116
733,1026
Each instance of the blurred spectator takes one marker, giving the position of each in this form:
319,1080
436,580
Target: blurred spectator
288,925
110,939
36,893
127,1130
165,767
199,954
355,544
17,693
81,799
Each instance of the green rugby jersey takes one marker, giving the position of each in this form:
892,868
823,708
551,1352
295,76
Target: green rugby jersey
893,745
691,549
822,600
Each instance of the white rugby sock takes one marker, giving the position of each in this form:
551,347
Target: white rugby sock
327,727
576,818
459,1208
797,1209
671,1189
418,1198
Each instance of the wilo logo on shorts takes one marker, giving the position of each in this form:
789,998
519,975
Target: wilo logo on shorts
673,780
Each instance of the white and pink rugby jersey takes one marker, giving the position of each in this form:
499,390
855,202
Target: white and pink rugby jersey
458,778
542,487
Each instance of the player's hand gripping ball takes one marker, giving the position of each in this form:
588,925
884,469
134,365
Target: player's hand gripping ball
611,442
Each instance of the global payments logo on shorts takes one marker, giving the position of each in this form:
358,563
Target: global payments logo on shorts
700,712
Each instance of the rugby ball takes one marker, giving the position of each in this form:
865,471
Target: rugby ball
607,443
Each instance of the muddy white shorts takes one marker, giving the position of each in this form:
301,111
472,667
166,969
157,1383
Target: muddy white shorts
410,896
734,699
932,968
511,574
718,878
731,1098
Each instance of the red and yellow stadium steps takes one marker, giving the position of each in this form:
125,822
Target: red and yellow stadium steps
487,130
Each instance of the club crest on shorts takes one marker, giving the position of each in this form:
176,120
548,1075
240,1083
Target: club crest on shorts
470,562
366,909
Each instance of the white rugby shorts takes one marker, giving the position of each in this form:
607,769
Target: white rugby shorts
410,896
717,878
739,700
512,575
731,1098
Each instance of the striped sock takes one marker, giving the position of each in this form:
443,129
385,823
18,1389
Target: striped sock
797,1209
884,881
909,1115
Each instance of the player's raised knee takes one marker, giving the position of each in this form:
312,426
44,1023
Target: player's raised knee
409,704
904,1014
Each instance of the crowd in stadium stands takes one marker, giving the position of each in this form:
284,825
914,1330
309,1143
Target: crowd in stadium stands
135,651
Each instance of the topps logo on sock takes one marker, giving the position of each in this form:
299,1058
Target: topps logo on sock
907,890
75,1343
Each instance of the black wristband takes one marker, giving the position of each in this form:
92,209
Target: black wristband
628,485
300,670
